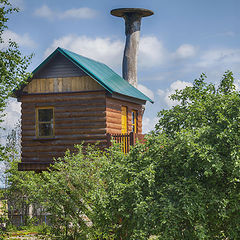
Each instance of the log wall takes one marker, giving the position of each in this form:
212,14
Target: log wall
114,117
78,117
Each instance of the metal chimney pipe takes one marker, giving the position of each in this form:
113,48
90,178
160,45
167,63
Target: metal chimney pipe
132,17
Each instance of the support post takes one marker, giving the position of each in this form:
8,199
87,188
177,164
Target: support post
132,17
108,140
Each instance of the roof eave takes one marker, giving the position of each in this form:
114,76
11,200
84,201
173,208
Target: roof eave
128,98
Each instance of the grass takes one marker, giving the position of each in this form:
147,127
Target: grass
40,231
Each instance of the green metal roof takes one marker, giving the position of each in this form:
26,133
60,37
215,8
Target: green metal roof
104,75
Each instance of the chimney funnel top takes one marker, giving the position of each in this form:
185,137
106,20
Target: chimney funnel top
132,17
121,12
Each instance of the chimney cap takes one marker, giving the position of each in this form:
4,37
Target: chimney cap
121,12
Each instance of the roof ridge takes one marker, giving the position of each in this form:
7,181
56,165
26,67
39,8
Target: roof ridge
80,55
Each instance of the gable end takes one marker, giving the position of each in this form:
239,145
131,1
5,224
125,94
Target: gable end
59,66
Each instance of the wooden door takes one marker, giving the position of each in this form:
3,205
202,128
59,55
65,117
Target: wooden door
124,119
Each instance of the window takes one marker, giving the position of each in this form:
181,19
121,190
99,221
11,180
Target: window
124,119
134,121
45,122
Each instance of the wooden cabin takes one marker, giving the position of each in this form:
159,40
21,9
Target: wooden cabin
70,99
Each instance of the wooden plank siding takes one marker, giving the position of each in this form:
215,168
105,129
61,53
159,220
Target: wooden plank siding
78,117
59,67
113,115
59,84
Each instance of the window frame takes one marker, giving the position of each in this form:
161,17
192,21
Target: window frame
134,121
37,122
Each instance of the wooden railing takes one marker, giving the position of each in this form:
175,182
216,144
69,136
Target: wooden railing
125,140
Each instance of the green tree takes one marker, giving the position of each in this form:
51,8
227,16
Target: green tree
13,65
17,192
94,194
68,192
196,154
13,69
183,183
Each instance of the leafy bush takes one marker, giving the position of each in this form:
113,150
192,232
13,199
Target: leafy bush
183,183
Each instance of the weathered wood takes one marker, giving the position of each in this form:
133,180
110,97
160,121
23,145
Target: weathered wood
74,110
114,126
46,148
112,110
83,113
79,118
65,137
28,110
82,125
62,97
113,115
64,143
80,131
59,66
59,84
95,102
89,120
42,154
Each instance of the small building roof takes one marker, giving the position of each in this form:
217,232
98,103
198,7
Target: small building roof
100,72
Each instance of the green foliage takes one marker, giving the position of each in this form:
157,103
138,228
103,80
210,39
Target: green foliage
94,195
13,65
66,190
3,214
198,166
17,182
183,183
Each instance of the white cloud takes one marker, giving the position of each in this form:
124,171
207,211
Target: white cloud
216,57
22,40
85,12
237,84
105,50
79,13
146,91
44,12
13,113
151,52
185,51
110,51
11,118
164,95
148,124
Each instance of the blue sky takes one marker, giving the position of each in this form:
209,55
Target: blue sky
179,42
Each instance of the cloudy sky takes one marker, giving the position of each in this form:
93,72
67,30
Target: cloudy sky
179,42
